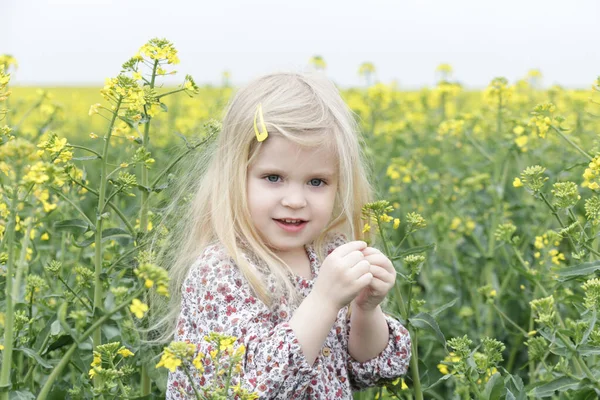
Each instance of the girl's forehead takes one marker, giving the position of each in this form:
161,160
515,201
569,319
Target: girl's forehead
278,151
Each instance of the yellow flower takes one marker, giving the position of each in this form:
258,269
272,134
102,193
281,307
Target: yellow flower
517,183
138,308
396,223
97,361
443,368
1,347
45,236
93,135
198,362
404,385
124,352
94,109
169,361
149,283
366,228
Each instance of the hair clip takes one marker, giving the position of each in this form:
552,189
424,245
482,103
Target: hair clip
260,136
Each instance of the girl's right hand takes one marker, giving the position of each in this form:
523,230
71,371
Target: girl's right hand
343,274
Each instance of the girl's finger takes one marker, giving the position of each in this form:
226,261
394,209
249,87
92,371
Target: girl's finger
370,250
382,274
379,286
380,260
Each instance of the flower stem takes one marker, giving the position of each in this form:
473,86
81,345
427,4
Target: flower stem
146,383
586,155
8,324
98,290
64,361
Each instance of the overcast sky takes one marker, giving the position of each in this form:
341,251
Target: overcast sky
76,42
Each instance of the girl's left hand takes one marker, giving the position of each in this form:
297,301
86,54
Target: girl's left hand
384,278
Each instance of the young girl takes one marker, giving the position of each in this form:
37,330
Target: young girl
263,254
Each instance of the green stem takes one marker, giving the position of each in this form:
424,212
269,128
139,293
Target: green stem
507,318
112,365
414,364
75,146
75,206
98,283
85,304
67,356
187,373
130,227
586,155
555,212
34,364
166,170
167,93
9,316
146,384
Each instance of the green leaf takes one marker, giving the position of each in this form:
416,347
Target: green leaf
584,269
110,233
561,384
587,332
414,250
437,311
85,158
164,107
425,321
494,387
63,340
21,395
32,354
442,379
588,350
76,226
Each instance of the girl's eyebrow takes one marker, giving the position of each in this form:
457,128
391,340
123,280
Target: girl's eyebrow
325,173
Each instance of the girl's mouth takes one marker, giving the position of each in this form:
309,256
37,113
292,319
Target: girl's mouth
290,225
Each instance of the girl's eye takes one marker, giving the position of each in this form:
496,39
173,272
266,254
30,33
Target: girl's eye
317,182
270,178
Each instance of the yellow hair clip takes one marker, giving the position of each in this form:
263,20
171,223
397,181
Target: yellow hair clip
260,136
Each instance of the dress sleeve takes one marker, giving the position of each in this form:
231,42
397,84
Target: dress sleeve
216,298
391,363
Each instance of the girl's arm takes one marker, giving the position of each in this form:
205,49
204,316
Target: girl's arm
369,335
390,363
216,298
311,323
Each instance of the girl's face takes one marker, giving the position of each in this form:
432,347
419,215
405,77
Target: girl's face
290,182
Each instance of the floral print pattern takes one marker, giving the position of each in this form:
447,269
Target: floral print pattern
216,297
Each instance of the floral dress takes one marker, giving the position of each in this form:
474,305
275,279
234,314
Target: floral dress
216,297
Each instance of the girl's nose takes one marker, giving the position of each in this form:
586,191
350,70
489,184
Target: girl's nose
294,198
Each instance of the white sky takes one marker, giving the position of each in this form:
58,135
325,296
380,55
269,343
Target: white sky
74,42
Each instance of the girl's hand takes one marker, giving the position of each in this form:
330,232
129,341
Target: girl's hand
384,278
344,273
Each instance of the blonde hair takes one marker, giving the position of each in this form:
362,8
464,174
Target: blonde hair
303,107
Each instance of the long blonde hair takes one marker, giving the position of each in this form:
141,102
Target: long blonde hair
304,107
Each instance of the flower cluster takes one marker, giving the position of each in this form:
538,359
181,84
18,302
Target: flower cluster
377,212
592,294
222,356
592,210
543,118
504,232
498,92
591,174
544,308
58,149
565,194
154,276
105,364
532,178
